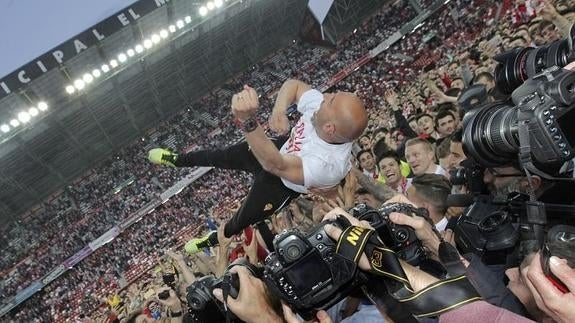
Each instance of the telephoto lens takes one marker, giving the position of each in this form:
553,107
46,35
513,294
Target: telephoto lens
519,64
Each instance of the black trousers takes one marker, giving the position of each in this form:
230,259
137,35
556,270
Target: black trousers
267,194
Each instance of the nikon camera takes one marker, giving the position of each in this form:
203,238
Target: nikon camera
306,272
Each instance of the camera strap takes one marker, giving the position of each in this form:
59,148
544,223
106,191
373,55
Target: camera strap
450,259
433,300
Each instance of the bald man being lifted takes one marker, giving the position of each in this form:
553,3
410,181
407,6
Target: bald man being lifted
317,154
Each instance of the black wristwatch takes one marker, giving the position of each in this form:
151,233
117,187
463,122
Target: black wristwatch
248,125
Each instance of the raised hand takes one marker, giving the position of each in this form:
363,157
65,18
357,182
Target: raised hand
245,104
279,123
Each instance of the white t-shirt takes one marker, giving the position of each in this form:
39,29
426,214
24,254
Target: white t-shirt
439,170
324,164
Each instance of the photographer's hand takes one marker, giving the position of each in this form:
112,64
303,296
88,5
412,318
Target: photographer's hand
423,230
291,317
558,305
417,278
252,303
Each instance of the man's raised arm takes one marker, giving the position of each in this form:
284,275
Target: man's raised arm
244,106
290,92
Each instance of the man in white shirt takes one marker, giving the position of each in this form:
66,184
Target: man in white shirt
317,154
367,163
420,156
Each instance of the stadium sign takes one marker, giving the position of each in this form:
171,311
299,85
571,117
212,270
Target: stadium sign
65,51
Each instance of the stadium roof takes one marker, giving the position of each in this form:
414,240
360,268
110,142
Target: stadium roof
49,149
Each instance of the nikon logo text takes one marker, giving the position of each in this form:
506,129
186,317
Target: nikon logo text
353,236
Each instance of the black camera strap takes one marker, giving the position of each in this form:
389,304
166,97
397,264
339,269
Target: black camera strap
383,261
435,299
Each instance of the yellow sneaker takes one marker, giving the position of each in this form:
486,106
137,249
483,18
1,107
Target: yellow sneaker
209,240
162,156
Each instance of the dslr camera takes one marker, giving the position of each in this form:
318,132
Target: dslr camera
399,238
490,229
307,273
537,129
202,304
519,64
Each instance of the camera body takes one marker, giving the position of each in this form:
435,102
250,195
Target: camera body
203,306
306,272
539,126
489,229
399,238
470,174
546,105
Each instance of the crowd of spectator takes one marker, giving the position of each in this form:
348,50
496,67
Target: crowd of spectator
117,188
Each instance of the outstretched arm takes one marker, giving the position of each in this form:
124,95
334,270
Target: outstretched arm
381,192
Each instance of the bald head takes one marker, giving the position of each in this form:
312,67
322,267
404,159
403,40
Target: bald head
350,116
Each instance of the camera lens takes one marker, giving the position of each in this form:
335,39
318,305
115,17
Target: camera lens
511,72
519,64
457,176
490,135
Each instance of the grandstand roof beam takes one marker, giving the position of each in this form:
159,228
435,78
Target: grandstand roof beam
89,108
29,153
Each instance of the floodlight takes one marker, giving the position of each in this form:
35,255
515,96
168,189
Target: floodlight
70,89
172,28
42,106
180,24
139,48
105,68
114,63
96,73
218,3
203,11
155,38
79,84
5,128
14,123
210,5
187,19
164,33
148,43
33,112
24,116
122,57
130,52
87,78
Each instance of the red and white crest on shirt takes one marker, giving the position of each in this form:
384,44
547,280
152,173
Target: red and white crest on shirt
296,137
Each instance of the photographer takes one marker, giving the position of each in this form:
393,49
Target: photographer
430,192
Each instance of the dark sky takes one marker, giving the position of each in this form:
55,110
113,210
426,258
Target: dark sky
29,28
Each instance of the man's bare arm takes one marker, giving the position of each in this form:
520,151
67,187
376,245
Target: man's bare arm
381,192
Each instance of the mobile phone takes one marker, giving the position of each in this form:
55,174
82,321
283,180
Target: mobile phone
559,239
